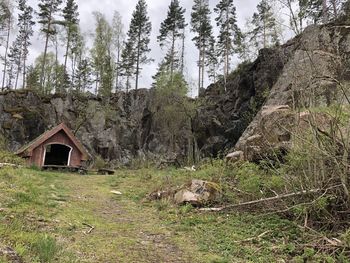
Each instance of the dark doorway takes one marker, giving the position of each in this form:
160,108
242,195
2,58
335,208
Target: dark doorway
57,154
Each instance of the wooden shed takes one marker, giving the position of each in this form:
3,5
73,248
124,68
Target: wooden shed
56,147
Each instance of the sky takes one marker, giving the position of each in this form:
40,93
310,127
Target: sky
157,10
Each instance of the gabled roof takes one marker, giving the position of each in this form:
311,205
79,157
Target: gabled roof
28,148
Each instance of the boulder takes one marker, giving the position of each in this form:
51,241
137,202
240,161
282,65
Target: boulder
198,193
235,156
270,135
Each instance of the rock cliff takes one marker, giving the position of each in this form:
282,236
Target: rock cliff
124,127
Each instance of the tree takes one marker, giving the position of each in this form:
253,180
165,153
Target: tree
127,65
6,20
212,62
201,26
118,39
71,21
25,25
265,32
50,73
230,35
321,10
14,61
102,55
171,29
47,11
139,38
83,80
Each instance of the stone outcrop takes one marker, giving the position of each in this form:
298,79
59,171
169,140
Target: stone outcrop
303,72
119,129
310,79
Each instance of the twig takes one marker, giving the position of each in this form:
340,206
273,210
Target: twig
253,238
312,191
91,228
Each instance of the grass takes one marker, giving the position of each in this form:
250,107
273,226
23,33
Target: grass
45,217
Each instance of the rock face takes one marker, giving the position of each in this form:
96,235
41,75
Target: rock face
303,72
309,79
120,129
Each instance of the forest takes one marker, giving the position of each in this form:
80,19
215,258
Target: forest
235,149
111,58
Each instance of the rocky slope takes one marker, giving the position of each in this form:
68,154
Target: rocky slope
124,127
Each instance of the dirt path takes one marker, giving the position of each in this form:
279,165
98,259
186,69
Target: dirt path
124,230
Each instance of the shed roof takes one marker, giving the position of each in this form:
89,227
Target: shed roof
28,148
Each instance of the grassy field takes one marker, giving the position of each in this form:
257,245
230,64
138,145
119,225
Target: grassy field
61,217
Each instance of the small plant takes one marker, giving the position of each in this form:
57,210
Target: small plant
46,248
99,163
6,157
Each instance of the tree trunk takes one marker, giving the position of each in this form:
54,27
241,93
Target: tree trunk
324,11
42,77
24,75
203,67
117,68
138,61
183,52
17,74
6,51
335,10
199,70
172,55
67,50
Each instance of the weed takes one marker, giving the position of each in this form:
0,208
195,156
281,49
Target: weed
46,248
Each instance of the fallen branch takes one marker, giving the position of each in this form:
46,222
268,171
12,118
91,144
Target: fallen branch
91,228
253,238
264,200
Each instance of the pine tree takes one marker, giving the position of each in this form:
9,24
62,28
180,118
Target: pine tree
47,11
14,61
264,32
6,20
25,25
212,62
139,38
171,29
320,10
71,21
76,51
127,64
83,80
230,35
102,56
118,39
201,26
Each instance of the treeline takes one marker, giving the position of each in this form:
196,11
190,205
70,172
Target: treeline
116,58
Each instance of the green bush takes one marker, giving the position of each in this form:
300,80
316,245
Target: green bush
46,248
6,157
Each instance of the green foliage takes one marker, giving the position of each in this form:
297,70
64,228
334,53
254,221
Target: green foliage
6,157
265,32
230,35
46,248
171,30
102,56
137,45
99,163
171,107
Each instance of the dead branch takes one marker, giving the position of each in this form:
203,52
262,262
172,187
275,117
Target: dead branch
90,226
253,238
269,199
